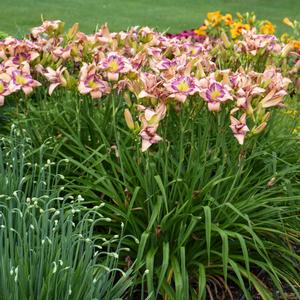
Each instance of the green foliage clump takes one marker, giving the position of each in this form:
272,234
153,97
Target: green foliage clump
47,246
210,215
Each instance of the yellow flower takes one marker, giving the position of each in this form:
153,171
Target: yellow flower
267,28
201,30
296,44
214,18
227,19
287,22
237,27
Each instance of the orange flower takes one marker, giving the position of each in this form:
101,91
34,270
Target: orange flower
214,18
237,27
267,28
201,30
296,44
227,19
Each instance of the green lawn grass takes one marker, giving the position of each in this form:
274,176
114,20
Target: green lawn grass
18,16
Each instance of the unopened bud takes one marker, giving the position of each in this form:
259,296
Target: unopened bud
286,50
72,31
287,22
259,128
200,72
128,119
127,99
225,39
271,182
266,117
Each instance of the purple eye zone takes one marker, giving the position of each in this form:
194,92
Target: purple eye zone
183,85
215,92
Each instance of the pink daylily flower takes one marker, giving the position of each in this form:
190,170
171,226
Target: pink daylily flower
114,65
163,64
149,86
22,79
181,87
239,128
149,136
276,86
61,52
245,89
55,77
91,83
150,121
214,93
253,42
18,51
24,57
154,51
47,26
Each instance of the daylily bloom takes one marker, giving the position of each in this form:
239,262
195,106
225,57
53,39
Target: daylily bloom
91,83
47,26
149,136
237,28
267,28
114,65
276,86
201,30
239,128
154,51
245,88
150,121
149,87
61,52
214,93
162,65
181,87
18,51
253,42
55,77
296,44
227,19
214,18
22,79
195,49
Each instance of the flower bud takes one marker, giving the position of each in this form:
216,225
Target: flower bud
259,128
286,50
128,119
225,39
287,22
127,99
72,31
266,117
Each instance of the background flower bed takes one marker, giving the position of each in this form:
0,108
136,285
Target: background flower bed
19,16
